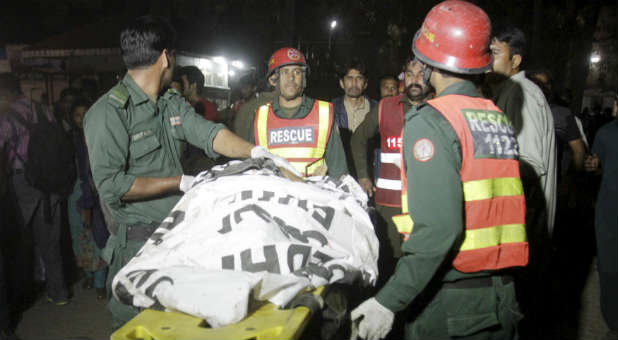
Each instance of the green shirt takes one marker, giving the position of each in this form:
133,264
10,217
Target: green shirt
435,203
334,155
129,136
365,131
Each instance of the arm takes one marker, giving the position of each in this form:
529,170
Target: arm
230,145
108,143
367,129
579,153
435,205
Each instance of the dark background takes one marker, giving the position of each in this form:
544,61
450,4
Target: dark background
561,33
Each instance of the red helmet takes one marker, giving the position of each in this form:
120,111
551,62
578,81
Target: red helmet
454,37
285,56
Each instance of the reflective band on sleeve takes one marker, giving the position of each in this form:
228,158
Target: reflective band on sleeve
493,236
262,119
390,184
489,188
391,158
403,223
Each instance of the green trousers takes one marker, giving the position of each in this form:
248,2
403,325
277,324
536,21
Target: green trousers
390,242
118,252
472,313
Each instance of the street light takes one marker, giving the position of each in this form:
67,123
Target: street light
238,64
595,58
333,24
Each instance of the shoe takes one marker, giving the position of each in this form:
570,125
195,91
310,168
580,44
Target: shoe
58,302
88,283
101,293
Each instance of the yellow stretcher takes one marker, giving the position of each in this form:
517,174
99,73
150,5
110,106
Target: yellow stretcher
266,322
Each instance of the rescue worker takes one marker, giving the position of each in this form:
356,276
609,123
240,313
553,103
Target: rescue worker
135,136
466,205
292,125
387,119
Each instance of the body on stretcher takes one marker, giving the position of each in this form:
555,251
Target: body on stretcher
266,322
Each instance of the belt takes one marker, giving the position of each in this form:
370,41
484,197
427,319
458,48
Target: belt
140,231
476,282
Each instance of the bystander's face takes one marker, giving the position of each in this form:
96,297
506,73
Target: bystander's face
388,87
416,88
503,63
291,81
65,105
78,116
353,84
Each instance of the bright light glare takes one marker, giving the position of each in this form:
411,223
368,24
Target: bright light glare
207,63
220,60
333,24
238,64
595,58
232,73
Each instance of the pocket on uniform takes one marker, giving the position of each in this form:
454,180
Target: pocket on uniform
144,146
470,311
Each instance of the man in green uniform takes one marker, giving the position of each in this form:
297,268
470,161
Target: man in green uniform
136,135
388,199
287,73
447,281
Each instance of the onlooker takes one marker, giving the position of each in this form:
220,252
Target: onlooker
386,119
244,117
88,227
193,86
389,86
353,106
605,151
525,105
62,109
40,211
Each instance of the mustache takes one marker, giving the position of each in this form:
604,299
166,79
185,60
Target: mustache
414,85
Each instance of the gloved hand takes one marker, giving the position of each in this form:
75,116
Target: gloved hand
186,182
377,320
261,152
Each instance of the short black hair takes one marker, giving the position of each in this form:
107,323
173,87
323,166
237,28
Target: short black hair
10,82
80,101
143,40
387,76
193,74
354,63
69,91
513,36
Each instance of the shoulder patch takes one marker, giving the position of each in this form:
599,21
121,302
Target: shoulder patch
423,150
119,94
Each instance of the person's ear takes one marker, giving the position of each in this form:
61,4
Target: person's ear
341,84
366,83
515,61
164,59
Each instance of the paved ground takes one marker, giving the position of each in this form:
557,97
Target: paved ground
87,318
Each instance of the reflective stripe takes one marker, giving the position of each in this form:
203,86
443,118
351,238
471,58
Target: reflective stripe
493,236
391,158
493,187
262,119
404,201
324,116
296,152
390,184
404,224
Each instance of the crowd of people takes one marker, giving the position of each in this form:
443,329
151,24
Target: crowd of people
483,184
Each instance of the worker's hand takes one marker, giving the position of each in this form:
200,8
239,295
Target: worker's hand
261,152
367,186
376,321
186,182
591,163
